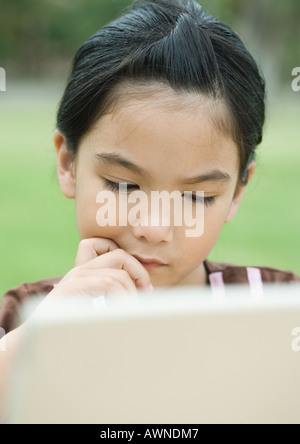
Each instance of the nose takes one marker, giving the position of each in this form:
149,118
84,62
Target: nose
154,225
154,235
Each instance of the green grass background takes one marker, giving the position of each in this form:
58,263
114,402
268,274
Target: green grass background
38,235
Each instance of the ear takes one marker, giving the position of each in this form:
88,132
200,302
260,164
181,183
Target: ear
239,194
64,166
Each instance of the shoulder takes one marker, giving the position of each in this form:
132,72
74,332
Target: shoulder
237,274
13,299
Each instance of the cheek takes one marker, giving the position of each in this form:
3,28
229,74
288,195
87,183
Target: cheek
87,209
216,215
196,249
89,228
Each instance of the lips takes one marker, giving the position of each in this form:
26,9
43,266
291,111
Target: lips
149,262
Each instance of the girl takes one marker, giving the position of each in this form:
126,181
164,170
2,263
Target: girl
165,98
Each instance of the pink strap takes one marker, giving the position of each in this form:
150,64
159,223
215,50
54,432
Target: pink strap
217,284
255,282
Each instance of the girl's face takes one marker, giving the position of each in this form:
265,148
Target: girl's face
156,142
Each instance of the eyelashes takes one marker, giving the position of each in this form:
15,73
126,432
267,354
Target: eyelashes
116,186
208,201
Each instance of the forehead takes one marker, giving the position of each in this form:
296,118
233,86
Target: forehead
154,125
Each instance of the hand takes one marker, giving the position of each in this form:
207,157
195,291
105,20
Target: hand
101,267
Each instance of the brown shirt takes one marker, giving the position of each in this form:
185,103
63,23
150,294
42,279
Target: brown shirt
218,276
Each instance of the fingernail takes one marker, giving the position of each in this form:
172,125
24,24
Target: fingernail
151,287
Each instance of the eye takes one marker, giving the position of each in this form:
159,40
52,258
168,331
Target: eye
207,201
119,186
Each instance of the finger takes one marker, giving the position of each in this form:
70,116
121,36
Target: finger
86,281
120,276
88,286
120,259
89,249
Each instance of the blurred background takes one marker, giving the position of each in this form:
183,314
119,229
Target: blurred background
38,39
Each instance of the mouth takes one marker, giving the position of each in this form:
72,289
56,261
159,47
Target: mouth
150,263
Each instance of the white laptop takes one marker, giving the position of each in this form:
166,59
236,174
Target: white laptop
179,356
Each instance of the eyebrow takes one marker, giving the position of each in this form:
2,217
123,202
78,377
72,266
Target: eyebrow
116,159
212,176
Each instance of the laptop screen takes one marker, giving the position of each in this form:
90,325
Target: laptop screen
177,356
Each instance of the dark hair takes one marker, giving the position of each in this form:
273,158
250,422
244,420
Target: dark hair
171,41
